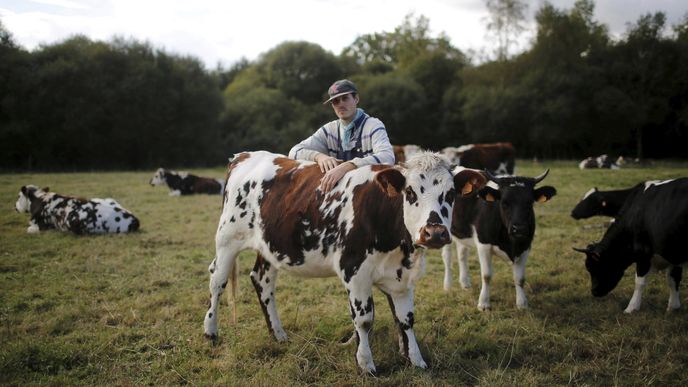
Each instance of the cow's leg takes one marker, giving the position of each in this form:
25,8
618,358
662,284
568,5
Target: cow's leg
462,257
402,310
485,256
220,270
634,304
446,258
674,274
264,276
362,313
33,227
519,270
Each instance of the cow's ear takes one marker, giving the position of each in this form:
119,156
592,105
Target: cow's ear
489,194
391,181
24,191
545,193
468,181
45,189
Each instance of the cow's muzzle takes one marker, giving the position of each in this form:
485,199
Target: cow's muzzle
434,236
519,230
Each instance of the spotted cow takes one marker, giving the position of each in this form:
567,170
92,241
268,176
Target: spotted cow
183,183
80,216
649,229
602,161
405,152
371,229
498,158
499,219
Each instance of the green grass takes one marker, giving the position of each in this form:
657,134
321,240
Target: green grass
128,309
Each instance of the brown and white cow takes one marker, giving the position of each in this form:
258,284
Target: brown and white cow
498,158
371,229
183,183
405,152
80,216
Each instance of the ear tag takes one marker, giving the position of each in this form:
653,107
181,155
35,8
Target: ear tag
467,188
542,199
489,197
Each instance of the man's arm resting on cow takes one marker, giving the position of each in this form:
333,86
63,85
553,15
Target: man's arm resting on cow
335,174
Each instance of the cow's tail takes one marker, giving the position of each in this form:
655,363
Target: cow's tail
234,288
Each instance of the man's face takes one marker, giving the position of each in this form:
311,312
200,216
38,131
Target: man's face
345,106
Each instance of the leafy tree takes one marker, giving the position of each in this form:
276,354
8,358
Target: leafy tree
506,22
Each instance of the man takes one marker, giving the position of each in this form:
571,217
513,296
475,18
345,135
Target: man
354,140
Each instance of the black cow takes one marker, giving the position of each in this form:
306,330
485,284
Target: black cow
183,183
605,203
649,231
500,219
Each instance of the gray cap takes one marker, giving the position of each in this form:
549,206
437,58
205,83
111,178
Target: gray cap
340,87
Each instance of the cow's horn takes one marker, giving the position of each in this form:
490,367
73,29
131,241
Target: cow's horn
541,177
581,250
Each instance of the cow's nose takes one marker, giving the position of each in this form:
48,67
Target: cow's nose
434,236
519,229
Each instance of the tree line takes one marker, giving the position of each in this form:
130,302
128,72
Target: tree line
123,104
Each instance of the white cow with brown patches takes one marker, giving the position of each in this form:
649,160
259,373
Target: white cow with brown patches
371,229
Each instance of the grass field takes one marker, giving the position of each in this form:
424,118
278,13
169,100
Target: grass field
128,309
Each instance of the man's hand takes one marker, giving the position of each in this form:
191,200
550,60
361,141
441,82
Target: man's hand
326,162
334,175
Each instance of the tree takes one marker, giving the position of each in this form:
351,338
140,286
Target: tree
506,22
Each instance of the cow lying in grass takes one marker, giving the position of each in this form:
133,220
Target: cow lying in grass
80,216
371,229
650,225
182,183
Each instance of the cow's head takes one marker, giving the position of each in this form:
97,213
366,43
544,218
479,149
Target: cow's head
606,266
27,193
428,189
159,177
515,196
592,204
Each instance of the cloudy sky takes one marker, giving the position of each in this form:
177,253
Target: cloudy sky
225,31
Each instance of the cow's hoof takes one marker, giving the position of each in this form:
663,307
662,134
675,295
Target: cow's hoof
210,336
522,307
630,310
484,307
280,336
32,229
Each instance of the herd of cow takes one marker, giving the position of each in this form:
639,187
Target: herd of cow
374,227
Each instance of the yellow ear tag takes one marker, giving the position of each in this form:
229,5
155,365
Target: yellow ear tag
489,197
467,188
542,199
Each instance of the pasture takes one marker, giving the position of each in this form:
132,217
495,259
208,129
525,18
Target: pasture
129,309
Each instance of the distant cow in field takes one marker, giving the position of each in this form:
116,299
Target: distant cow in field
405,152
650,231
498,158
182,183
499,219
602,161
80,216
632,162
371,229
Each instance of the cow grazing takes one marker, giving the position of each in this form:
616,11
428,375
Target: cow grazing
498,158
371,229
649,231
499,219
596,202
182,183
405,152
80,216
602,161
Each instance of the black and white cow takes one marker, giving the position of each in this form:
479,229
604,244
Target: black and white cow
602,161
183,183
501,220
80,216
371,229
650,231
604,203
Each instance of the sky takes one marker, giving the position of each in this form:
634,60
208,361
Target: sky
222,32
